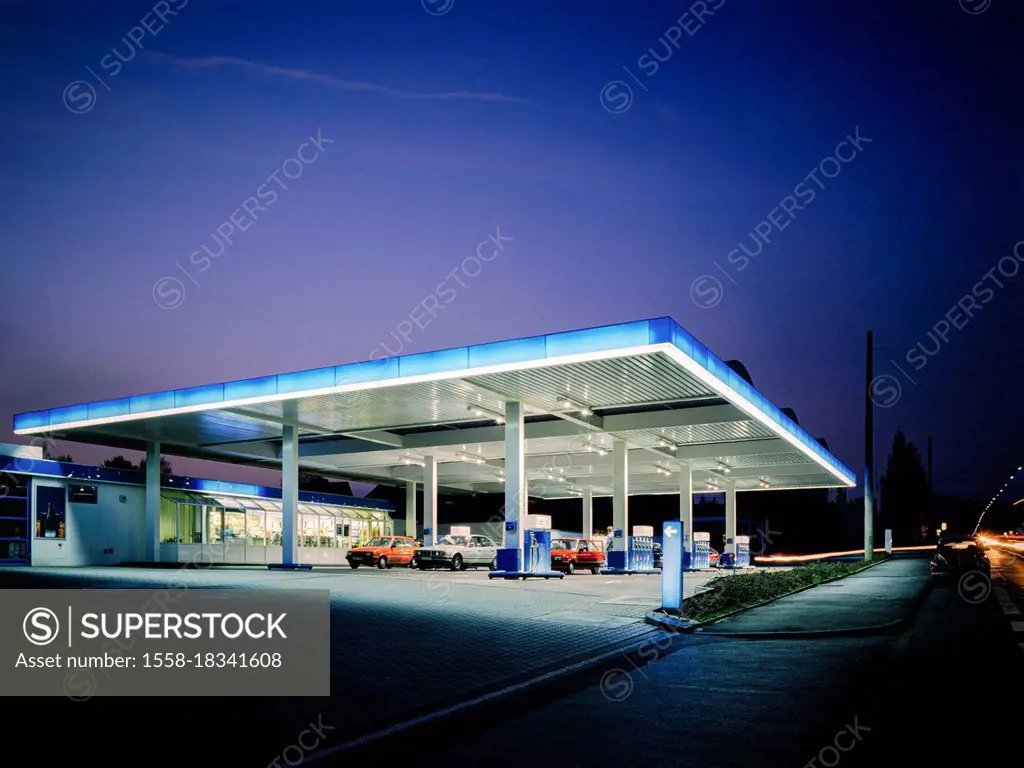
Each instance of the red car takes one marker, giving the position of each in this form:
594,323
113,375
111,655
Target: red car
713,556
569,554
383,552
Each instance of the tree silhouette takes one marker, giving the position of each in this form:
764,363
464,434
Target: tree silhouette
119,462
905,497
165,467
64,457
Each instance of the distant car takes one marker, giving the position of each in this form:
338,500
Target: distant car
458,553
383,552
569,554
713,556
956,554
657,555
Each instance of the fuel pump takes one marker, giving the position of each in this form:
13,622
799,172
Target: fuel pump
701,555
641,549
742,551
537,544
535,558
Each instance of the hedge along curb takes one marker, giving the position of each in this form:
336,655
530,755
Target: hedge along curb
676,624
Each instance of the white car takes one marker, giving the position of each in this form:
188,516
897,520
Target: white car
458,553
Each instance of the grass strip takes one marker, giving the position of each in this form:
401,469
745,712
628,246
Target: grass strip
726,594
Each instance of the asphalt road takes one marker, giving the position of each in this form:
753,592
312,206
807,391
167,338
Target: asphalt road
1008,588
405,644
953,698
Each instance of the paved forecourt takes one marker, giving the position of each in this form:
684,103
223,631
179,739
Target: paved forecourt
406,642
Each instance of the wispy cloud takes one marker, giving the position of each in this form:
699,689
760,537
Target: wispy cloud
217,62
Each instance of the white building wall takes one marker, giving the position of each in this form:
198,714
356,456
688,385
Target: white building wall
106,533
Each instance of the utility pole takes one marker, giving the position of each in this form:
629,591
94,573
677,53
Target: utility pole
869,453
931,492
931,484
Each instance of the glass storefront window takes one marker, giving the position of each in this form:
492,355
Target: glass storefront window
216,520
328,536
234,525
360,534
214,525
190,524
228,502
308,528
256,528
275,524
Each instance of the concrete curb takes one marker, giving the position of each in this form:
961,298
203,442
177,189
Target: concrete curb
811,634
675,624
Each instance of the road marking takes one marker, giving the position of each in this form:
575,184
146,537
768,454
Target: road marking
1005,602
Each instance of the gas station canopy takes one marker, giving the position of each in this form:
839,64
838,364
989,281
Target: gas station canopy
649,384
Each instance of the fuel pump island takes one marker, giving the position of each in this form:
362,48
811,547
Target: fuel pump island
535,554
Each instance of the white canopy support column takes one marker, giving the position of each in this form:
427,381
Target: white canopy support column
153,502
290,494
686,507
429,500
620,498
588,513
515,478
730,520
410,508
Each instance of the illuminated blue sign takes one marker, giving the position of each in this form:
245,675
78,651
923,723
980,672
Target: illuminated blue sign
672,564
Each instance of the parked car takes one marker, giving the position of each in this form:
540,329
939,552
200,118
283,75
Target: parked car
658,555
713,557
569,554
384,552
458,553
956,554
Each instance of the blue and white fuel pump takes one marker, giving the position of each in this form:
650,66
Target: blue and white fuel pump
742,559
700,557
535,557
640,547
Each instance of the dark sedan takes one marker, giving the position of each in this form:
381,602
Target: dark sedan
956,554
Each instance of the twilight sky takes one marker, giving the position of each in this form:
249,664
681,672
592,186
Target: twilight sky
127,142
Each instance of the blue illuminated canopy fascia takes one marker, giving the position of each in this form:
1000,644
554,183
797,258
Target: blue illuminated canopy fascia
86,472
525,351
